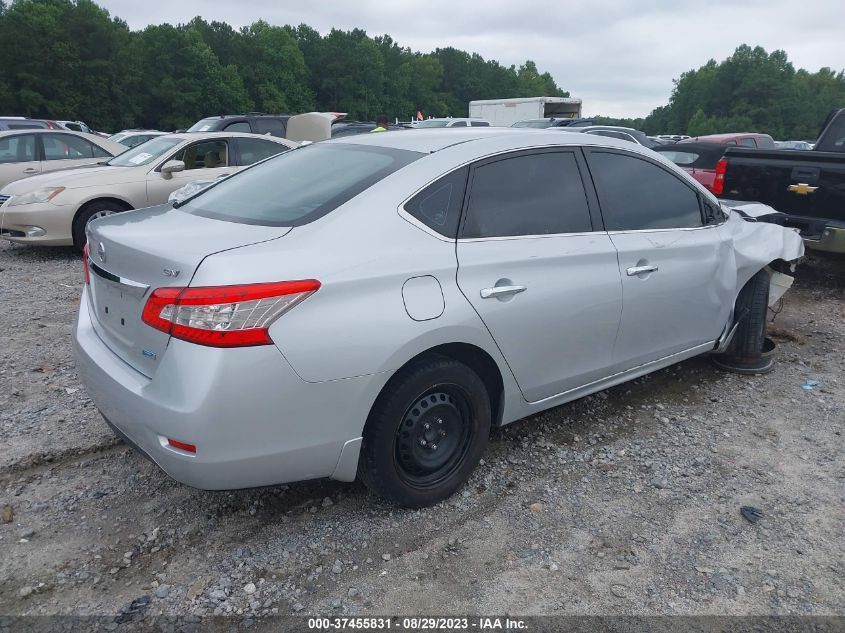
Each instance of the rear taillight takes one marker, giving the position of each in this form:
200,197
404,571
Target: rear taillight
224,316
85,270
719,181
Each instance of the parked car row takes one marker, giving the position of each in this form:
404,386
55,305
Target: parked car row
55,208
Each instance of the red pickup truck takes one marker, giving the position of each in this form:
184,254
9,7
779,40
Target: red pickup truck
699,160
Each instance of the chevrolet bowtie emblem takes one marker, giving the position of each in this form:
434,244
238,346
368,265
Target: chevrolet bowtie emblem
801,189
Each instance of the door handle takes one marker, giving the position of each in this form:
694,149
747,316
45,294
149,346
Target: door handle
633,271
501,291
30,170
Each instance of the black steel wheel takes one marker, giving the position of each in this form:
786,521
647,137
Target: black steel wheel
425,433
434,436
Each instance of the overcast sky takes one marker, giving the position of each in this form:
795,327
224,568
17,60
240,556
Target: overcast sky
619,56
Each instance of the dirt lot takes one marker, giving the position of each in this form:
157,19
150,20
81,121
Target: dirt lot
627,502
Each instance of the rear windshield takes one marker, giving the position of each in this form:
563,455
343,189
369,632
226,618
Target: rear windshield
684,159
204,125
684,156
432,123
537,123
299,186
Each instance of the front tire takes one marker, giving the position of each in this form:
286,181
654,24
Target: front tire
426,433
745,355
89,212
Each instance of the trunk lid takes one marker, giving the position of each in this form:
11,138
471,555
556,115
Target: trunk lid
133,253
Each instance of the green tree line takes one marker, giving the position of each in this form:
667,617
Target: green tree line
69,59
750,91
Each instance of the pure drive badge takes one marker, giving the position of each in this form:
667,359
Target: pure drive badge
149,354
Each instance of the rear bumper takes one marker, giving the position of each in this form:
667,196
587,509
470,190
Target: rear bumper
831,240
253,420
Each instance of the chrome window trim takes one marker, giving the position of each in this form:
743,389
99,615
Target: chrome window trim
500,238
686,228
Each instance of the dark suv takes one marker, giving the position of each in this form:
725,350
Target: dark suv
254,122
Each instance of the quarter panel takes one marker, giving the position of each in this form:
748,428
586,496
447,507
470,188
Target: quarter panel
357,322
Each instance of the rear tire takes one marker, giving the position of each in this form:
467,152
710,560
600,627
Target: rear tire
92,211
425,433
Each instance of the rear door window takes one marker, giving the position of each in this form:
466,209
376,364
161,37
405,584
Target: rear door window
69,147
528,194
239,126
480,124
438,206
459,124
266,125
638,195
17,149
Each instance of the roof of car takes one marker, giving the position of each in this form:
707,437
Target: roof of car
44,130
426,140
714,148
191,136
435,139
718,138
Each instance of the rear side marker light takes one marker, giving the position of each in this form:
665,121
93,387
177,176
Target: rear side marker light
224,316
182,446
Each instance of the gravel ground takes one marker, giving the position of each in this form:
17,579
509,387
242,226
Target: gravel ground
626,502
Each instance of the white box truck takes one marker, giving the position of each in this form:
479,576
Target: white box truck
506,112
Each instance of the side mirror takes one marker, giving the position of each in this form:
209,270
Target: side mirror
171,167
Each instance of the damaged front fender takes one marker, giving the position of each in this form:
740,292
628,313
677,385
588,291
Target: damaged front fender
757,243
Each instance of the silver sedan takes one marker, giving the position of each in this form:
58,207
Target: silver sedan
372,306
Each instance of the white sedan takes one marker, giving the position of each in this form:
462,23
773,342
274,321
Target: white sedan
54,209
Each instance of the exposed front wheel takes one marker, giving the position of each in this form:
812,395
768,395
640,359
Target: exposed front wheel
425,433
750,352
90,213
